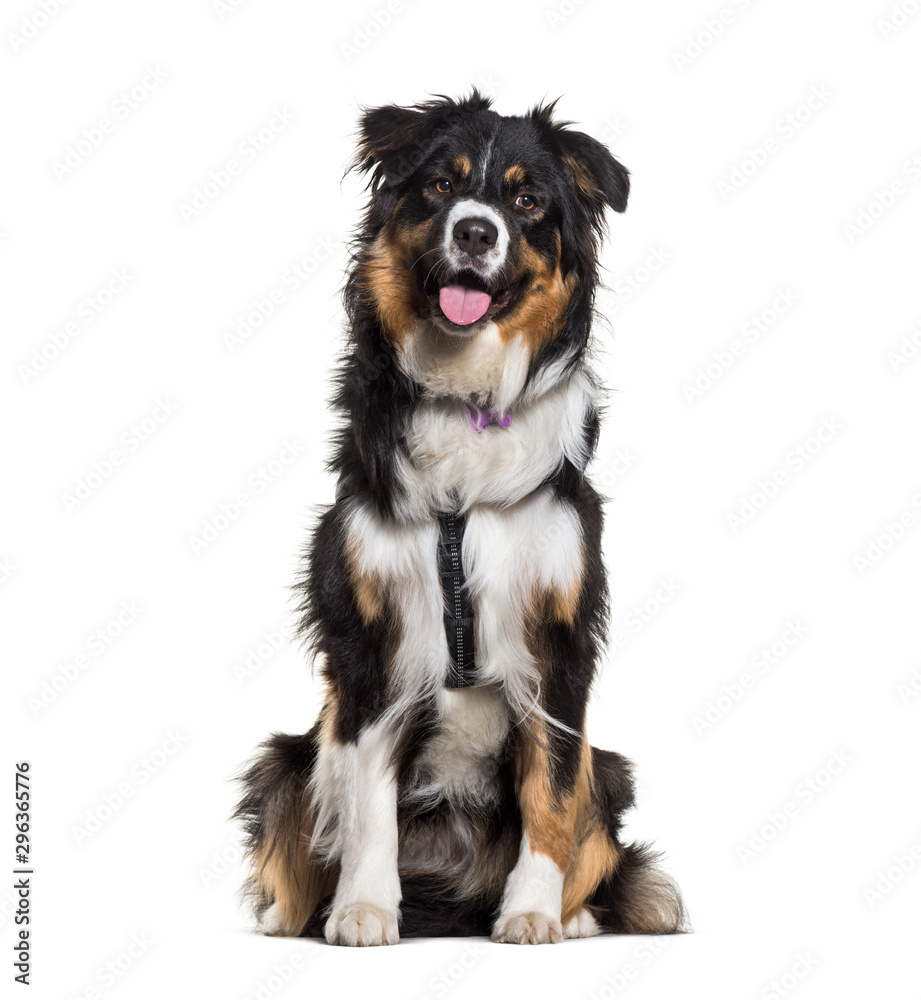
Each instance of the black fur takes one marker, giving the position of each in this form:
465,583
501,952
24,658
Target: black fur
399,150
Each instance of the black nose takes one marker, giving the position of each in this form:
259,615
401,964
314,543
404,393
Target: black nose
475,236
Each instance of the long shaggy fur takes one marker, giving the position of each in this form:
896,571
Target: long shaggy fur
411,807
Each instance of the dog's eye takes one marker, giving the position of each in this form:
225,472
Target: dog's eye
443,185
526,201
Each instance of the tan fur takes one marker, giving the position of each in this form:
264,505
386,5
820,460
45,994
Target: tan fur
538,316
593,860
515,175
555,605
368,587
388,277
582,178
462,166
288,874
567,829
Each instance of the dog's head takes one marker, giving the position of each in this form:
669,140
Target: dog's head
476,218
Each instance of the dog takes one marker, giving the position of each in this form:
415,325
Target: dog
454,594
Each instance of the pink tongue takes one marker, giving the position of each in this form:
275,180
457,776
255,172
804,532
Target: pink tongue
463,305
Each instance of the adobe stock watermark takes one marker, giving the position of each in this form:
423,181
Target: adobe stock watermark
888,879
281,974
750,333
264,307
711,29
607,472
486,84
224,8
258,482
256,656
219,864
88,309
560,12
245,153
884,199
760,665
907,349
117,113
899,15
7,570
895,530
640,616
803,964
804,794
97,643
909,688
618,982
130,442
786,127
363,35
112,972
612,128
795,461
139,775
611,298
33,24
467,957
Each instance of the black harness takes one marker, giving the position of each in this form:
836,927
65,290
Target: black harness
458,605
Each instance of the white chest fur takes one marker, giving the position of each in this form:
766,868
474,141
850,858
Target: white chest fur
510,553
450,461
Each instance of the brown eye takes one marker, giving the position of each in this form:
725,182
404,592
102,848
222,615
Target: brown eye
526,201
443,185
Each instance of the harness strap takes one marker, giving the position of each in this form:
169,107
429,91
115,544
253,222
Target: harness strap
458,604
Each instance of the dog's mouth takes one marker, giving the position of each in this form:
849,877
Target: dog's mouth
465,298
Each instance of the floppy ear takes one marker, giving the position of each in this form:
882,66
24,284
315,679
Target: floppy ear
386,139
393,141
598,177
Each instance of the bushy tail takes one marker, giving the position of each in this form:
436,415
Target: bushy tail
638,897
287,883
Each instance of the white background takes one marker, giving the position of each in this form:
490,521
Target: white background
809,220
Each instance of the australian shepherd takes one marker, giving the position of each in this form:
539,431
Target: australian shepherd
454,594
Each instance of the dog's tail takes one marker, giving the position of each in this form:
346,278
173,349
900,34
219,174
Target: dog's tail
638,897
287,882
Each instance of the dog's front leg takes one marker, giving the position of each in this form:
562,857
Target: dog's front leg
531,910
361,781
354,785
544,893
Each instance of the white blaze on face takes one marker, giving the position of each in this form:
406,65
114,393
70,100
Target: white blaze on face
494,258
460,302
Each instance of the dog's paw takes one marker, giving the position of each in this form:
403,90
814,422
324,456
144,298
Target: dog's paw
272,922
357,924
527,928
581,925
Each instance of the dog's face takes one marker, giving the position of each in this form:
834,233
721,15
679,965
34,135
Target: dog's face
478,218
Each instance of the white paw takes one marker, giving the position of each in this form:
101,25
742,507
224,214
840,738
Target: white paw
527,928
362,924
271,921
582,924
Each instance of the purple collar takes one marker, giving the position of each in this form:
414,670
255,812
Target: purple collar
480,418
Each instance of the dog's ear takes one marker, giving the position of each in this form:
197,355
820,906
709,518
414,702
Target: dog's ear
393,141
598,177
386,137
